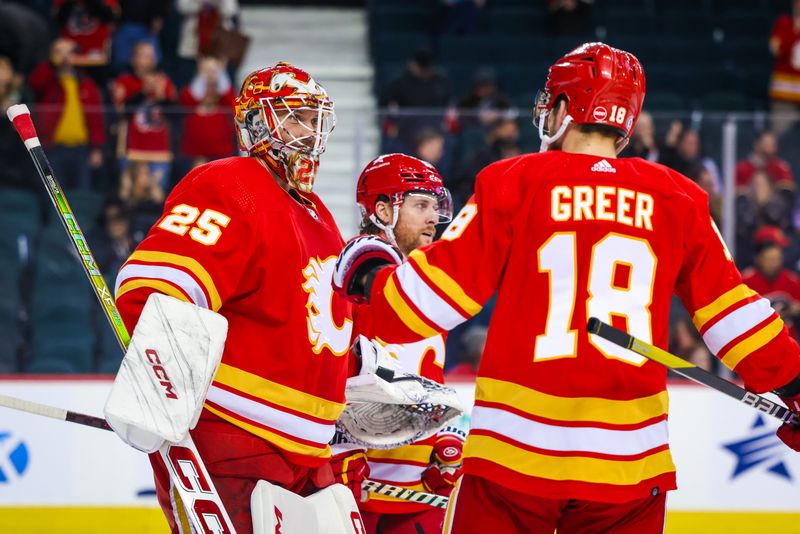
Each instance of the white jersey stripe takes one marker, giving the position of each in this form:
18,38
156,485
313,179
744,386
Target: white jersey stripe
736,323
161,272
285,422
395,473
426,300
565,438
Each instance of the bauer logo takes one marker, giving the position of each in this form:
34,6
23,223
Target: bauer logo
760,450
13,457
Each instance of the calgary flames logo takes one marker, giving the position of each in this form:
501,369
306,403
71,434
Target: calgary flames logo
322,329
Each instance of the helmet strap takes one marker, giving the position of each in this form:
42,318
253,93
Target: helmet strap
548,140
388,229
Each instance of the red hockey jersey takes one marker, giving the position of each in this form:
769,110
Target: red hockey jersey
563,237
233,241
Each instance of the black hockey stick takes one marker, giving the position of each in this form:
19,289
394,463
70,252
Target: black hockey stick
690,371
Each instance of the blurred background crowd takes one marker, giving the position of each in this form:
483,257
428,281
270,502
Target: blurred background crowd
128,95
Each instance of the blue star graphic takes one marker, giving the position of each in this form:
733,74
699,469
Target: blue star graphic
760,448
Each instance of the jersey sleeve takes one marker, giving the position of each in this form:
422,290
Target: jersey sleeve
737,324
197,251
445,283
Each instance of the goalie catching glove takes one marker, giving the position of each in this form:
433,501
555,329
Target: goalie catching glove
361,257
384,412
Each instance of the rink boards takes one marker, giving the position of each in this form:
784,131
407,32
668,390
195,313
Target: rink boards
733,473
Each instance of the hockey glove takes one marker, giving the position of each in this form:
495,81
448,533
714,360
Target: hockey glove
790,395
443,473
351,469
360,257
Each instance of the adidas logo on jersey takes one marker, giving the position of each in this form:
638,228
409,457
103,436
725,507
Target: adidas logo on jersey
603,166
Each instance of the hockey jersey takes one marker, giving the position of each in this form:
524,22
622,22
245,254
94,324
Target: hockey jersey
564,237
233,241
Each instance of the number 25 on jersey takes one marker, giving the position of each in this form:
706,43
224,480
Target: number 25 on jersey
619,283
205,228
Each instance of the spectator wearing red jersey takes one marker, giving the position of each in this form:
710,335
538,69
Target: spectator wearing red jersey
69,114
140,96
208,131
89,24
764,157
784,87
771,279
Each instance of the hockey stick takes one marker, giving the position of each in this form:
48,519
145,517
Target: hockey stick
690,371
203,505
431,499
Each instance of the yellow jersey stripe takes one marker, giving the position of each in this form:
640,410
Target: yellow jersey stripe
615,412
276,439
752,343
412,453
159,285
191,264
275,393
444,282
577,468
404,311
708,312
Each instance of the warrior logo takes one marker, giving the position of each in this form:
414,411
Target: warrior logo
322,328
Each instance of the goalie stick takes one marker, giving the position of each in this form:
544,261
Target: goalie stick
431,499
203,505
690,371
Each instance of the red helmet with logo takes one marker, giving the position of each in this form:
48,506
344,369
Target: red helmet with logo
602,85
284,117
396,175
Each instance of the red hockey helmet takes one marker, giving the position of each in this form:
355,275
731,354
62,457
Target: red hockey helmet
395,176
602,85
284,117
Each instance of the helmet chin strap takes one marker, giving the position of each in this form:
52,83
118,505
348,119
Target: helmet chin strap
388,229
547,140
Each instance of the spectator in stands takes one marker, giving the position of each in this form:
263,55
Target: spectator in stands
112,242
771,279
784,88
501,142
431,146
484,104
473,341
764,157
69,116
143,198
421,87
17,169
140,21
207,130
24,36
203,23
141,96
89,24
685,341
643,140
681,151
760,204
569,17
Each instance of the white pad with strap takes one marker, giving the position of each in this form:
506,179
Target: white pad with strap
163,380
332,510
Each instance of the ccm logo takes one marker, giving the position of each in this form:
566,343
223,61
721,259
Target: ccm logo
161,374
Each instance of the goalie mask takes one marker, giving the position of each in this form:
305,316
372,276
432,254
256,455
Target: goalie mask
601,85
396,177
284,118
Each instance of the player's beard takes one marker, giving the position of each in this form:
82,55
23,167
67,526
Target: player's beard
408,239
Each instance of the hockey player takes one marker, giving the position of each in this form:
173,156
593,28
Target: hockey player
402,199
568,431
247,238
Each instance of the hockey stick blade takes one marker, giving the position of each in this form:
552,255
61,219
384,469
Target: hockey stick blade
431,499
690,371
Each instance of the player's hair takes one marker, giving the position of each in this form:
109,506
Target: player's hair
369,227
